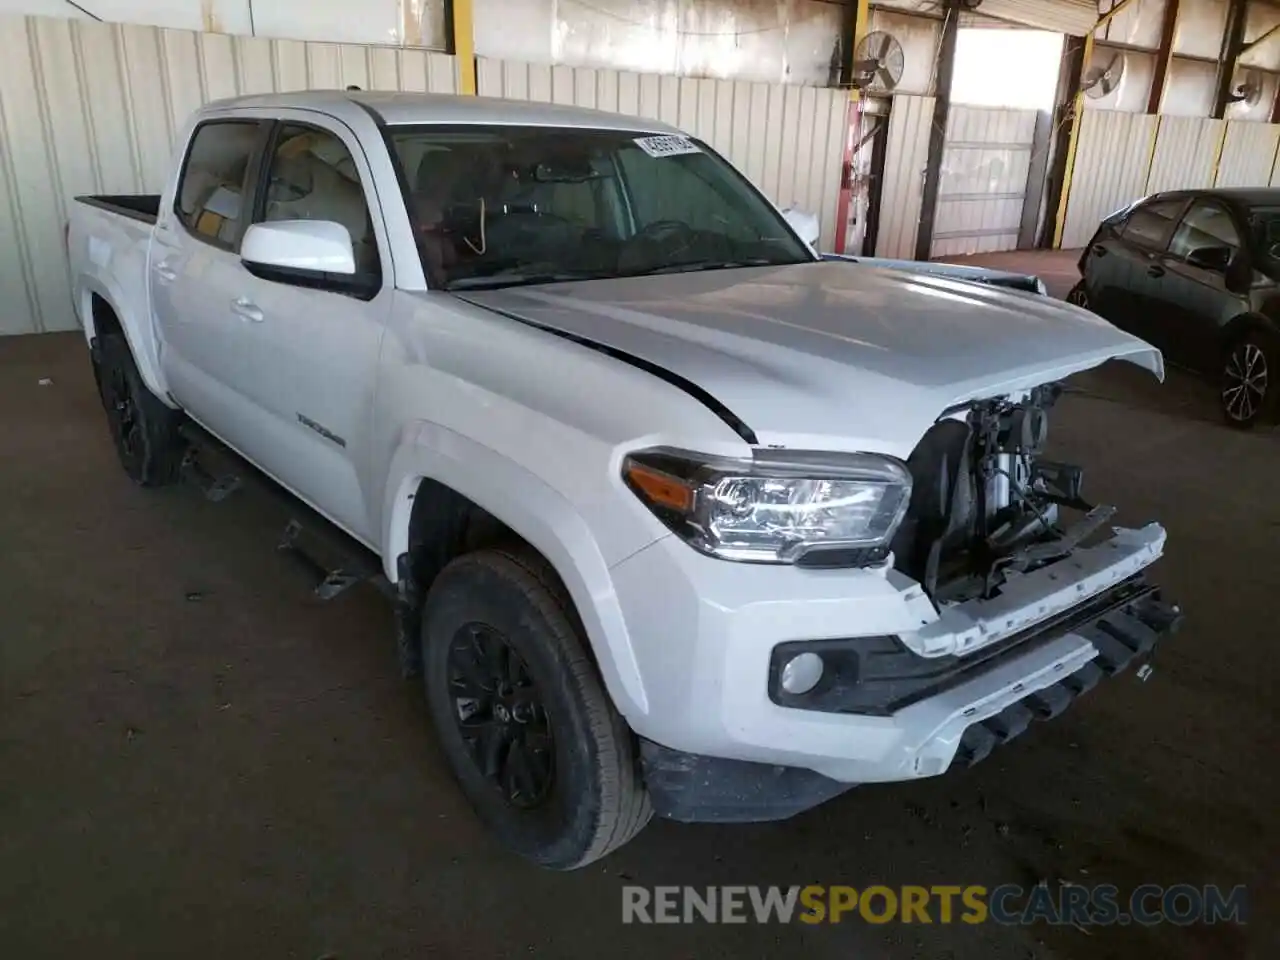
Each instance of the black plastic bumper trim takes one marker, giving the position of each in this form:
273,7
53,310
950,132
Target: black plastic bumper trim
1122,638
692,788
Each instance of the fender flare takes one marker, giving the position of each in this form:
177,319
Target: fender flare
139,335
536,512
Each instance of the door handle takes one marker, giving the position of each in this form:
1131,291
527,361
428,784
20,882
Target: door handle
165,272
1098,250
1155,270
247,309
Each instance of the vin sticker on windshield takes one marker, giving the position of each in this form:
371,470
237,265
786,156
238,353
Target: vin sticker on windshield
667,146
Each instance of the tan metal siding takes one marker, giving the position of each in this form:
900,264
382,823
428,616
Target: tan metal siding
94,108
1247,154
1110,169
1183,159
787,139
906,154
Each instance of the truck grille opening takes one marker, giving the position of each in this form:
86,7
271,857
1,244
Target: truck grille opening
984,502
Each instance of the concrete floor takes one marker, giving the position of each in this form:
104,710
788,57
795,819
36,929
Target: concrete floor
200,760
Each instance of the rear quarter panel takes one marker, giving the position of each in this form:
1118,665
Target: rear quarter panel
109,256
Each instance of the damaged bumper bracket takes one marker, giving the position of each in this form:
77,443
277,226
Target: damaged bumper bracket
1122,637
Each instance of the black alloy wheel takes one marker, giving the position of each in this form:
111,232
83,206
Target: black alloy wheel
143,430
500,715
1079,296
1246,392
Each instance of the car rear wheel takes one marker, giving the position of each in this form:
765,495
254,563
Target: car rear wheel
1079,296
1248,394
521,713
144,430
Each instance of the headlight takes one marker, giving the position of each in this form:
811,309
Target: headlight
778,507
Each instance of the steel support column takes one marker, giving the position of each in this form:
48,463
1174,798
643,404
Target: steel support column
853,27
1163,56
460,19
1232,44
938,132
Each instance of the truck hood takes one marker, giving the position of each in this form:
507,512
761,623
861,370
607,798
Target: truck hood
829,355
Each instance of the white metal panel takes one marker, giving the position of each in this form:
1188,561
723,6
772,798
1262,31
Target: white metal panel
94,108
1183,158
906,154
1112,157
1075,17
985,161
787,139
1200,27
1248,154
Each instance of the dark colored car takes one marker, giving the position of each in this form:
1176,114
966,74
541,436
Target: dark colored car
1197,274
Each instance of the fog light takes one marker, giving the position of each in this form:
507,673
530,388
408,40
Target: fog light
801,673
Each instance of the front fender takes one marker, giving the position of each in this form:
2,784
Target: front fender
539,514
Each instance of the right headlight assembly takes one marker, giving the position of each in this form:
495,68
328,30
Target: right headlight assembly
832,509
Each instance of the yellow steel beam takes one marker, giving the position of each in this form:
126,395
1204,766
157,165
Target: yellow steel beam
463,44
862,14
1077,109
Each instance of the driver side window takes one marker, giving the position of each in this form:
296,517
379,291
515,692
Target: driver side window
1205,225
313,177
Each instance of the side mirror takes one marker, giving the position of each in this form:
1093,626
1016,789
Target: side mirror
1211,258
299,246
805,224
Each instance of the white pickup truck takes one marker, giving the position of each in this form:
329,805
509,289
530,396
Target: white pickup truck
679,518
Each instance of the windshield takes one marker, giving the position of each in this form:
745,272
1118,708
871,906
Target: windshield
502,206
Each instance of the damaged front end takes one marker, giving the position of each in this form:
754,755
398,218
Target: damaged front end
984,502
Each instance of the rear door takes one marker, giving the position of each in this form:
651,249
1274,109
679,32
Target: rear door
1119,262
1191,301
193,263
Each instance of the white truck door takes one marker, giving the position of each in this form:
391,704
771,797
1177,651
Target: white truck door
193,265
311,341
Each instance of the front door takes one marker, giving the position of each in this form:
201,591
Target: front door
311,350
1192,299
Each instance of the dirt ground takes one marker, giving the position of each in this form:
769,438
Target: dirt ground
198,759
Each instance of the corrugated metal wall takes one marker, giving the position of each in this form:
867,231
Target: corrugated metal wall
94,108
1184,154
788,139
1110,169
1248,154
906,154
985,160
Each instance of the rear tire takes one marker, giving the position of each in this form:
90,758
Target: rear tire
1248,392
522,716
144,430
1079,296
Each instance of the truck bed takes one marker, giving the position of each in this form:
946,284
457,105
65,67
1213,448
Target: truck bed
137,206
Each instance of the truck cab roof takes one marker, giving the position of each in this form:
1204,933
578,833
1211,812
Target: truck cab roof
396,109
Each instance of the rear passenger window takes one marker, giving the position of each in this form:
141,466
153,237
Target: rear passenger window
1149,226
212,190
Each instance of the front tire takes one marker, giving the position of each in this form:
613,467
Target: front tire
522,716
1079,296
1248,394
144,430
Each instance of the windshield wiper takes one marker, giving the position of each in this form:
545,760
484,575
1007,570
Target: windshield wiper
693,266
515,279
